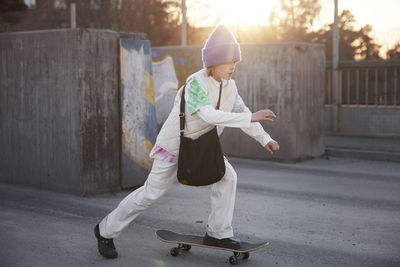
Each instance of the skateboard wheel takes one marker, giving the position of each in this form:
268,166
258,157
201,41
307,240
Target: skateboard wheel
246,255
174,252
186,247
233,260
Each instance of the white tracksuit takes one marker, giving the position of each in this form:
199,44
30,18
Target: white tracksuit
163,173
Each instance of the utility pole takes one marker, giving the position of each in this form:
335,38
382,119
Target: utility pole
73,15
335,66
183,35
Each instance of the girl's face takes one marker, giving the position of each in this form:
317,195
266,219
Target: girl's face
223,71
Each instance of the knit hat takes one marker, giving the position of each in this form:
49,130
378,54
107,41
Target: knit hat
221,47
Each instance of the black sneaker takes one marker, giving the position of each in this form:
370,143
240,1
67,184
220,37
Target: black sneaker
223,243
105,245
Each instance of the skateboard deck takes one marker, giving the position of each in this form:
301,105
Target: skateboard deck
185,242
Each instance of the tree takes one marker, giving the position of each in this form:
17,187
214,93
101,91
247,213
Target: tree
152,17
366,48
8,13
353,44
292,19
394,53
12,5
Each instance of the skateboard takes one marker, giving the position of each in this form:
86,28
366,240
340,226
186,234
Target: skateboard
185,243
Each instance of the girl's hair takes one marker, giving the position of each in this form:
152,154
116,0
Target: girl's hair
209,71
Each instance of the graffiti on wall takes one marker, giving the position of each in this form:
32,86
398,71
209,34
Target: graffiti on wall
185,65
139,126
165,86
169,74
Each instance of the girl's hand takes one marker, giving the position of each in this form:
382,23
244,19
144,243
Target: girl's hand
263,115
272,146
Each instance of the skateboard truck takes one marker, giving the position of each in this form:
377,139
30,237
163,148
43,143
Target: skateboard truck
234,259
181,247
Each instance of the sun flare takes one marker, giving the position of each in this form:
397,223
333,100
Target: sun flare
250,12
233,12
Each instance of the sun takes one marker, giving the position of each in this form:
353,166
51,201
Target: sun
203,13
245,13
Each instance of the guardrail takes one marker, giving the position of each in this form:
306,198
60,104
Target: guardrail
367,83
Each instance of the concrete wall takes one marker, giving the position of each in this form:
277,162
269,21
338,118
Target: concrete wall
287,78
369,120
59,110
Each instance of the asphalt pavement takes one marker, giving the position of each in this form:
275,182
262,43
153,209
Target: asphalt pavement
321,212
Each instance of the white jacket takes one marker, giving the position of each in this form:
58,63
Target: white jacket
232,113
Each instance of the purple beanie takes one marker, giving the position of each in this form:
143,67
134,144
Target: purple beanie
221,47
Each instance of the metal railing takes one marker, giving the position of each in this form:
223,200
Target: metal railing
367,83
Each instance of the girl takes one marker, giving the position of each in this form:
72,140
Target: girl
220,55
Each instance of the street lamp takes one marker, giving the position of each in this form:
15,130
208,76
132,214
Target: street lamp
183,35
73,15
335,65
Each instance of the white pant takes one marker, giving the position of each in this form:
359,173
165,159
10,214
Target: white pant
161,177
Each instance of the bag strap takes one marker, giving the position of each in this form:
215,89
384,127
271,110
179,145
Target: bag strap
219,97
182,111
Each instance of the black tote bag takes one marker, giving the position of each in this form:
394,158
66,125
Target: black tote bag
200,161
